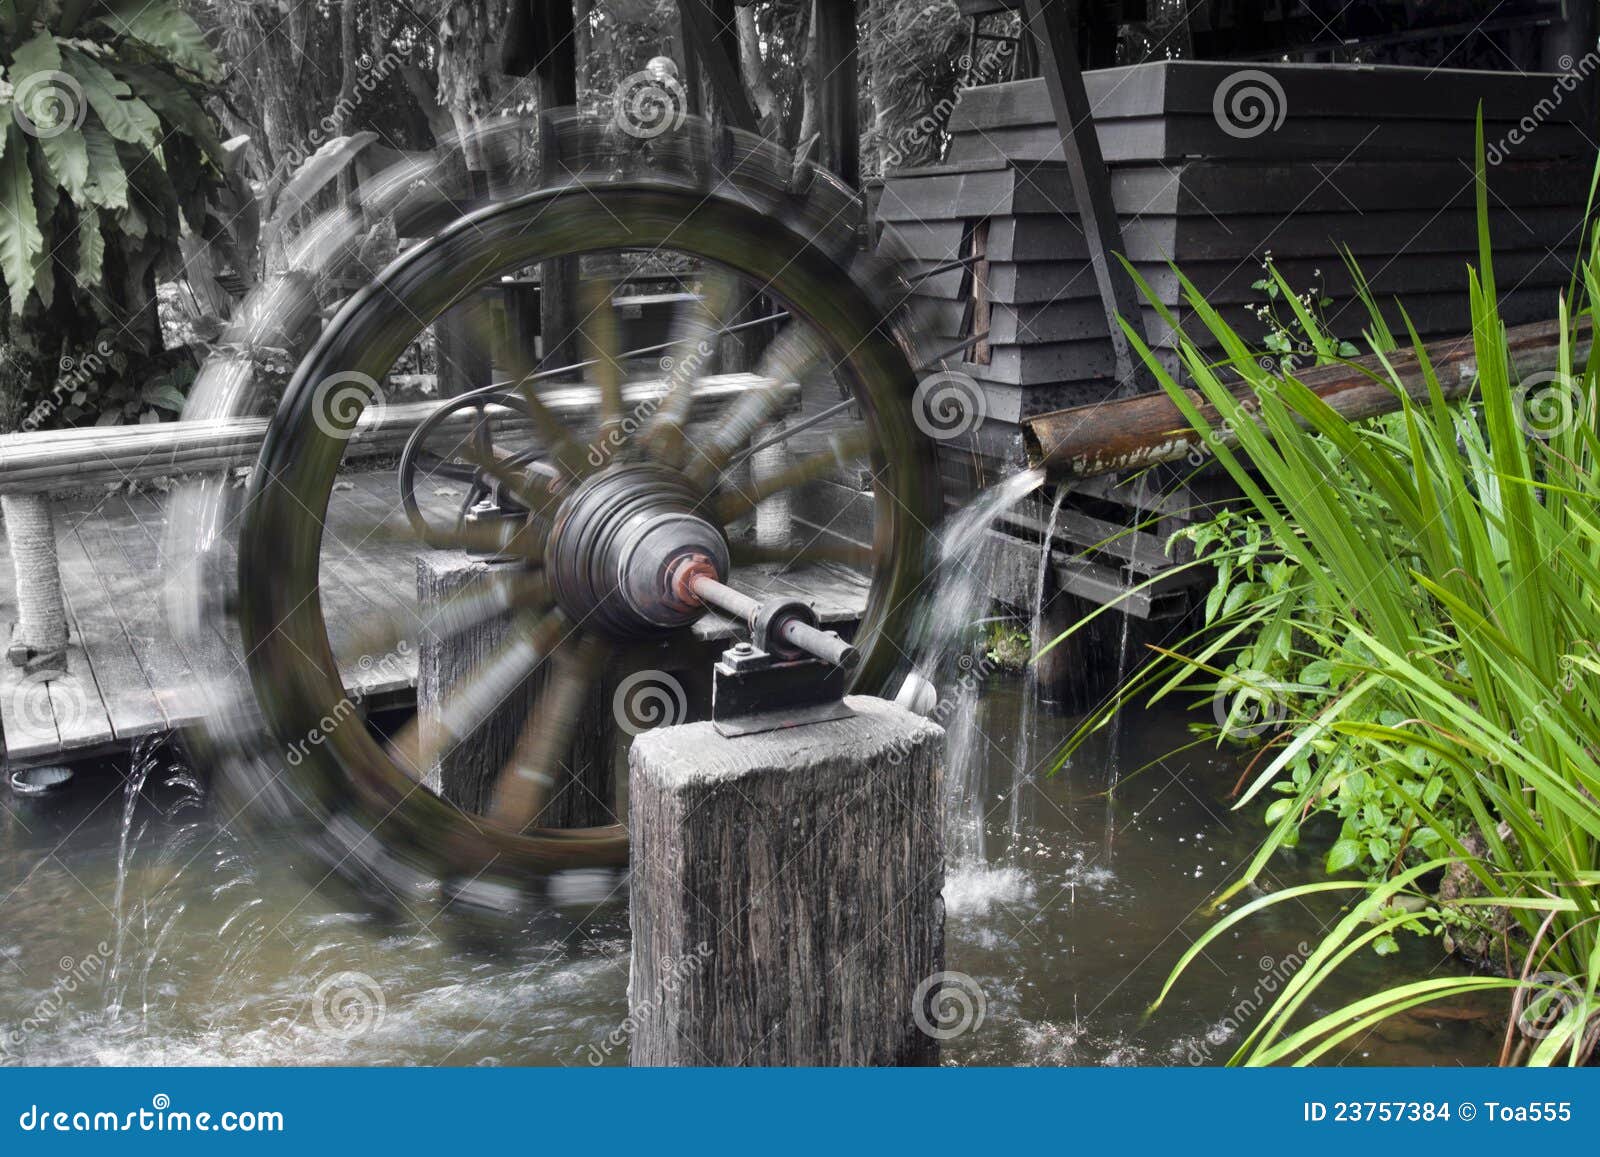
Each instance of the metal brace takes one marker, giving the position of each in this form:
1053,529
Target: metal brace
760,686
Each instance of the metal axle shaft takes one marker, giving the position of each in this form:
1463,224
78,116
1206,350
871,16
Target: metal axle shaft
792,629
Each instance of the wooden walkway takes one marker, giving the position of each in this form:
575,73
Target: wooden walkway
128,677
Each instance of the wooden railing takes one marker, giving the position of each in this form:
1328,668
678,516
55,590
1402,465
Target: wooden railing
108,455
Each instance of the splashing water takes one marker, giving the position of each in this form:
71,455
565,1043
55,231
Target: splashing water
963,585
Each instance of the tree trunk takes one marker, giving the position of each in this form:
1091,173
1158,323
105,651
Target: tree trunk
39,635
810,123
755,71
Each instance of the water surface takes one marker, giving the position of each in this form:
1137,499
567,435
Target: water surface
220,950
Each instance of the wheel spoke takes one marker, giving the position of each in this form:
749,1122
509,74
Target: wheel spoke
547,736
549,428
469,706
790,357
600,338
698,328
504,537
842,448
511,479
498,593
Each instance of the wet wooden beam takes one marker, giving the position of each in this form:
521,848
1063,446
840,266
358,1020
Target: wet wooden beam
557,72
1051,22
836,88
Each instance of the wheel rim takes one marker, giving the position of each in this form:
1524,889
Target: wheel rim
291,660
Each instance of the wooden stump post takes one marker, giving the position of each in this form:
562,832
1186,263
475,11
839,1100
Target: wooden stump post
586,793
786,901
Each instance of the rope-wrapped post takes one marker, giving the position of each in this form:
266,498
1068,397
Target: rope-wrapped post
785,894
39,633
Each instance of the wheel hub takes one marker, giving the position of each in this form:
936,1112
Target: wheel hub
618,543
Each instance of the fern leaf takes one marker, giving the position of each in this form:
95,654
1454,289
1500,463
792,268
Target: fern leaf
165,27
91,247
21,242
107,187
125,116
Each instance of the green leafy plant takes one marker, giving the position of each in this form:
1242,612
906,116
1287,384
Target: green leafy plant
107,161
1423,594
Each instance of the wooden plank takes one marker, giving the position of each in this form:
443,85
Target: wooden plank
27,714
1311,92
938,241
1179,135
130,701
124,541
1243,236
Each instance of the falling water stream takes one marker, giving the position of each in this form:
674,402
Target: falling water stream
1029,753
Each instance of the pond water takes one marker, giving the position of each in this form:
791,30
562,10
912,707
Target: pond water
152,934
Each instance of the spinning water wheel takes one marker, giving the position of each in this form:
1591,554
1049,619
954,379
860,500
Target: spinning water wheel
618,507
